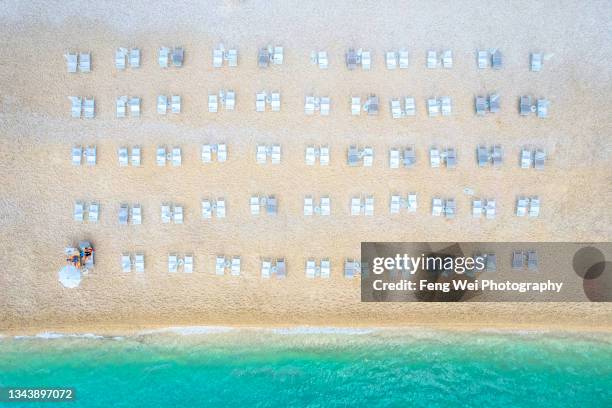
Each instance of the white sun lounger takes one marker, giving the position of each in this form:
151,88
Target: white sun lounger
536,61
162,104
450,208
177,214
447,59
526,159
325,206
85,62
308,206
395,204
525,105
311,268
79,208
135,61
275,102
90,155
433,107
123,214
213,104
355,206
277,57
266,266
518,260
521,206
432,59
71,62
490,209
483,59
126,263
220,206
255,205
434,157
176,156
164,54
217,58
122,106
177,56
172,263
412,202
123,156
403,59
176,103
76,106
445,105
77,155
534,207
166,214
542,108
322,59
539,158
394,158
355,105
89,108
207,209
235,268
496,59
271,205
436,207
532,260
161,156
260,102
371,105
188,263
120,57
391,59
134,104
135,156
325,268
139,263
450,155
136,214
477,208
220,264
352,268
369,206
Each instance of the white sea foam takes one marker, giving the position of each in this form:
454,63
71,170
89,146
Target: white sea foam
189,330
54,336
321,330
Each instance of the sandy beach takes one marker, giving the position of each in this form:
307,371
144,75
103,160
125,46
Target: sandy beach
39,185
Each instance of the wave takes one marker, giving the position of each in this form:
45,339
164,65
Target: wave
189,330
322,330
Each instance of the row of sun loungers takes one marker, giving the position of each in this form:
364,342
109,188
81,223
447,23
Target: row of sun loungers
131,262
82,107
399,107
359,205
356,156
274,55
224,264
176,262
86,212
89,154
276,267
520,258
319,269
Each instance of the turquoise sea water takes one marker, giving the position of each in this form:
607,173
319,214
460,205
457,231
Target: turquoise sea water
316,368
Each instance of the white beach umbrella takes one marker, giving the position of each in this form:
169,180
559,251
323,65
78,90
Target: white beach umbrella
70,276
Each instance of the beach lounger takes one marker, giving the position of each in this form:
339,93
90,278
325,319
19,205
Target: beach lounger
85,62
275,101
176,103
482,155
539,158
521,206
324,155
93,214
536,61
123,214
494,103
221,152
322,59
451,157
490,209
235,267
206,209
220,207
177,56
135,59
255,205
260,102
526,159
409,106
77,155
280,269
445,105
271,205
395,204
525,105
324,105
542,108
436,207
172,263
353,156
310,268
366,60
275,154
532,260
355,206
213,104
136,214
134,104
121,106
166,214
123,156
139,263
371,105
263,58
396,109
476,208
412,202
177,214
76,106
351,59
496,59
218,57
126,262
120,57
352,268
325,206
230,100
394,158
409,158
176,156
447,59
433,107
497,156
90,155
309,106
161,156
277,57
71,62
266,266
188,263
308,206
369,206
518,260
450,208
434,157
261,154
135,157
403,59
89,108
534,207
483,60
355,105
367,155
481,105
79,208
325,268
432,59
220,265
164,54
391,59
162,104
